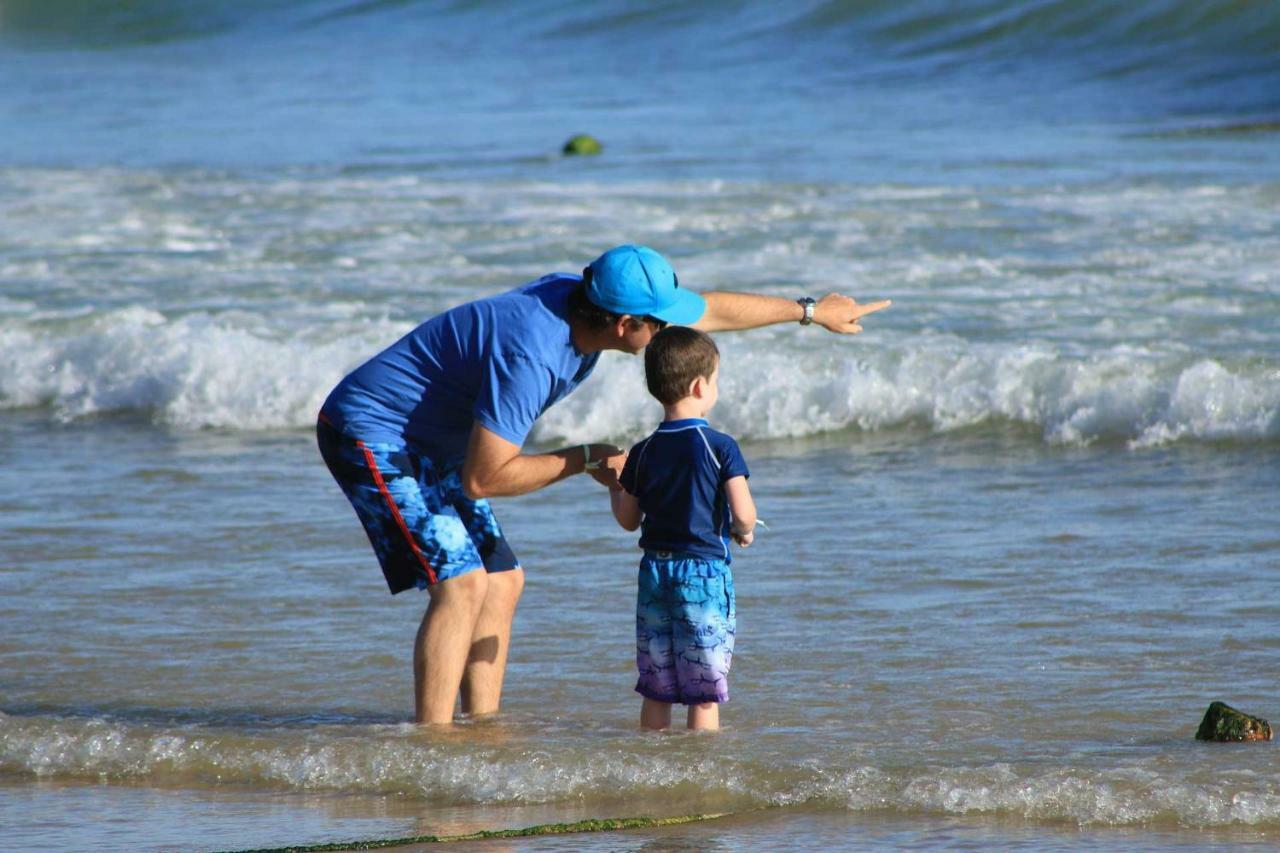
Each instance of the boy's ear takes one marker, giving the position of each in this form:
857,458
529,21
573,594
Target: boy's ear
698,387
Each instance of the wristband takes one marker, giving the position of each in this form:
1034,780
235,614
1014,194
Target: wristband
587,464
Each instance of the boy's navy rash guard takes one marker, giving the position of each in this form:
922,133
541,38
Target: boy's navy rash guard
500,362
677,474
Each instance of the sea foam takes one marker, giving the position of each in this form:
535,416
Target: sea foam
192,372
202,370
393,760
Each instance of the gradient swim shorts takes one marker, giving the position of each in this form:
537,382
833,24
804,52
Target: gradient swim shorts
422,527
685,623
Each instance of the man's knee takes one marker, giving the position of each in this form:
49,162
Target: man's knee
505,587
466,590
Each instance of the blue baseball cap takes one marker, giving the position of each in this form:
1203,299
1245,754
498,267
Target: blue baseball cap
638,281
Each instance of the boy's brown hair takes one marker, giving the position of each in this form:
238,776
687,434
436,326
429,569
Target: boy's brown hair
675,357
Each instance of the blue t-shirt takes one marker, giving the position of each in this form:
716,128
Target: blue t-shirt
678,476
500,362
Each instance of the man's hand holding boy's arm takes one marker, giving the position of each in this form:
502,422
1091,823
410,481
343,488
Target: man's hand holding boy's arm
606,463
744,510
495,467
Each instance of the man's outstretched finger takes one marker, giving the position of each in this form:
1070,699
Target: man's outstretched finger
866,308
839,313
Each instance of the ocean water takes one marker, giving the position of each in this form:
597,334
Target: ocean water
1021,531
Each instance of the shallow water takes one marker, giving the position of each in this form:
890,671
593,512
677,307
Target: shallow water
1021,531
988,628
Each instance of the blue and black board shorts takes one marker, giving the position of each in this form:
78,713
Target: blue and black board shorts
422,527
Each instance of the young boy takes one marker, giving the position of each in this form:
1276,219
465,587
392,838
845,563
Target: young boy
685,486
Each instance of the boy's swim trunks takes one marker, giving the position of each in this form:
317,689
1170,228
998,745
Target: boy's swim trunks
685,623
422,527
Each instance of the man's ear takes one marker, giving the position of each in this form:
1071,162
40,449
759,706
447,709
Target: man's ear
625,323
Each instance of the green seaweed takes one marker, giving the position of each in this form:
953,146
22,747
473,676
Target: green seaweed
592,825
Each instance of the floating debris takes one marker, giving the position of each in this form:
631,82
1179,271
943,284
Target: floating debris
583,144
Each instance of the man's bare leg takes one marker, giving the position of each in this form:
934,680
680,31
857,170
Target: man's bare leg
705,716
444,639
487,656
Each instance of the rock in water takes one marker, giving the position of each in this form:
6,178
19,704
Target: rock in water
582,144
1224,723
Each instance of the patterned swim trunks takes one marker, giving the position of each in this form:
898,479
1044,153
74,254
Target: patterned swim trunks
685,623
422,527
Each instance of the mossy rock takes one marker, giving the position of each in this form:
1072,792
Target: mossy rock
584,144
1224,723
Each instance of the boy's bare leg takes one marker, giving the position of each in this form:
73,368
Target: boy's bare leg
444,639
487,656
654,714
704,716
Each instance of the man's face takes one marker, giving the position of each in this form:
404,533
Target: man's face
637,332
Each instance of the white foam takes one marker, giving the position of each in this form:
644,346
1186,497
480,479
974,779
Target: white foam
356,760
1170,790
1209,401
191,372
232,370
946,384
1133,313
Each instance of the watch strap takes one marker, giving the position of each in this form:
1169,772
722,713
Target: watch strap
807,303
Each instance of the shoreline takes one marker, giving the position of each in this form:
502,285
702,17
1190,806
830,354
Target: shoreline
129,817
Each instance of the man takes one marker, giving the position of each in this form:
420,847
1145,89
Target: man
421,435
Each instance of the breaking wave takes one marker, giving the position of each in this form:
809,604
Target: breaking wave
391,759
200,371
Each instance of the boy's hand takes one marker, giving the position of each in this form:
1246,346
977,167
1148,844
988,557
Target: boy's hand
611,460
744,540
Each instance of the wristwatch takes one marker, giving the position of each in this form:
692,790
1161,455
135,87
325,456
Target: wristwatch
807,304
